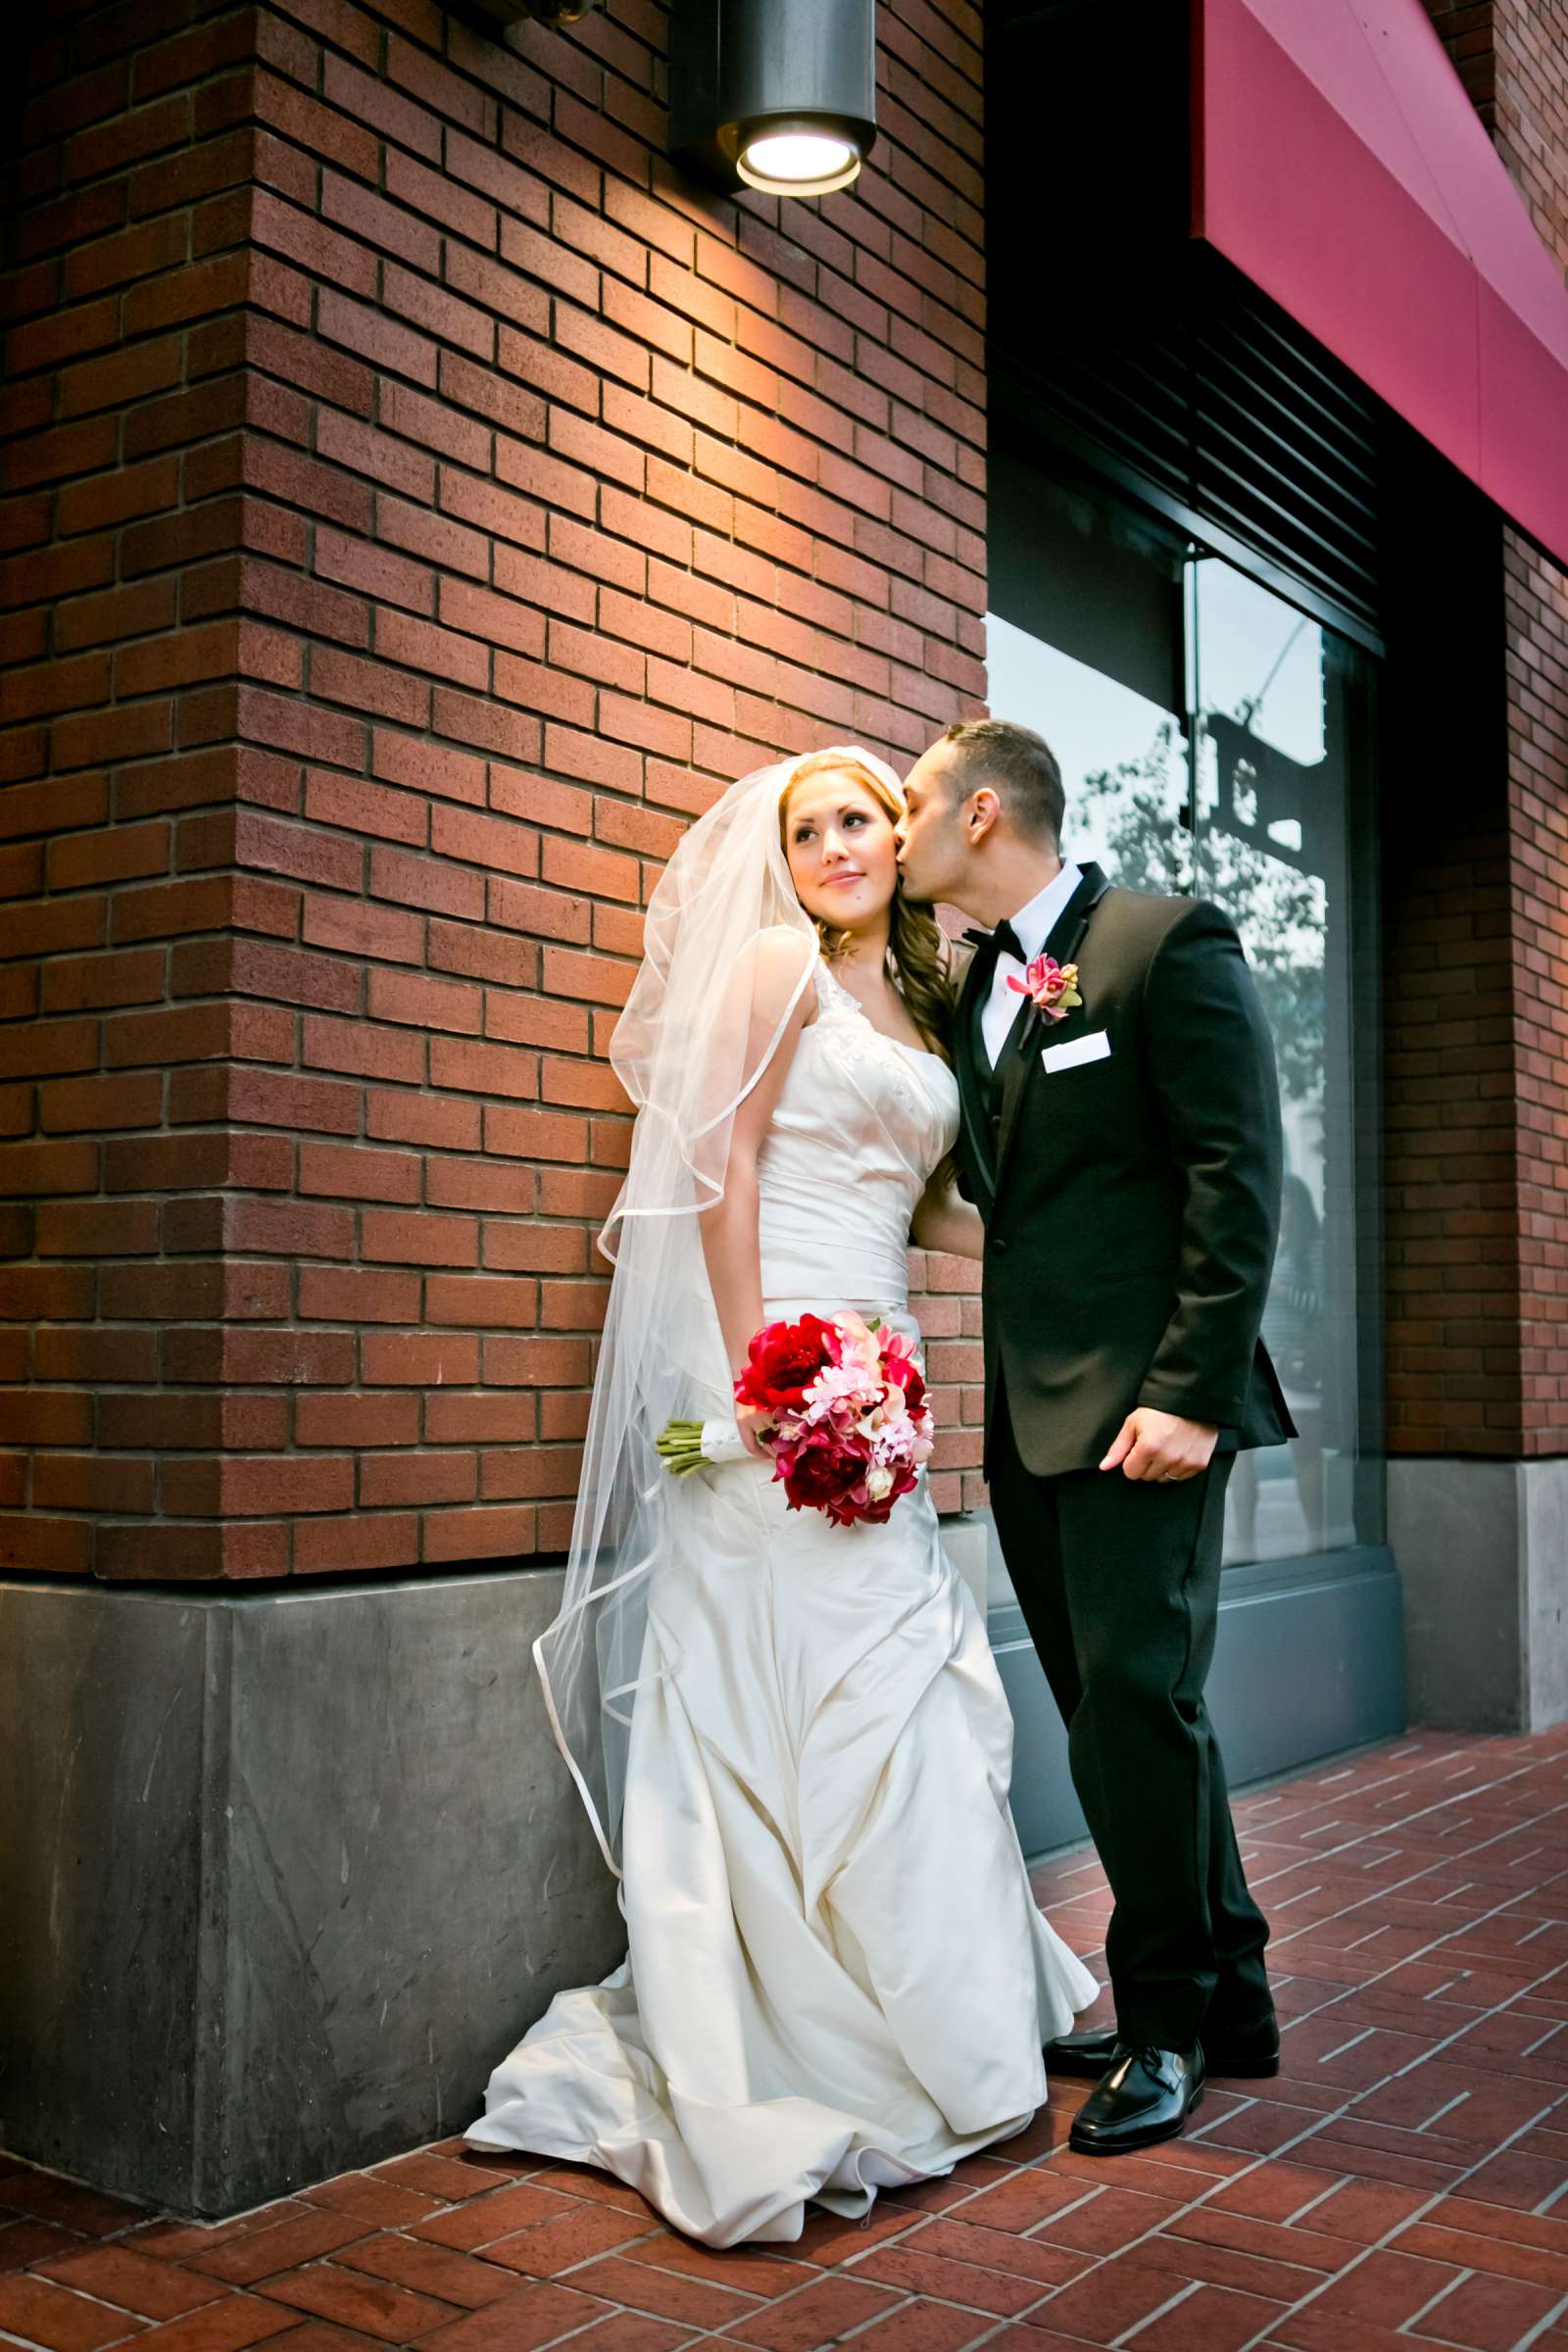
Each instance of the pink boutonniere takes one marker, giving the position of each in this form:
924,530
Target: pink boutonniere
1051,987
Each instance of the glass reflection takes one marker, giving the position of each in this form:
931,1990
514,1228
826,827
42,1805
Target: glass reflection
1232,783
1123,759
1270,842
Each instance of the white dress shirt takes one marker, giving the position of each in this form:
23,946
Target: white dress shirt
1034,925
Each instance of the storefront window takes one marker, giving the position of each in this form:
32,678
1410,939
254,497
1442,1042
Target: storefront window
1208,733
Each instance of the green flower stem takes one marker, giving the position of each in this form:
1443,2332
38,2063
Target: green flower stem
680,1447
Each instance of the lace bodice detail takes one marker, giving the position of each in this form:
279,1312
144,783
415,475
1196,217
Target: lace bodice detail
860,1125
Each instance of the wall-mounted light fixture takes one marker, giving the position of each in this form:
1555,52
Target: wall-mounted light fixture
556,14
773,94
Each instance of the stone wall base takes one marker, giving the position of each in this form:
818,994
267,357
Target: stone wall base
1483,1554
283,1874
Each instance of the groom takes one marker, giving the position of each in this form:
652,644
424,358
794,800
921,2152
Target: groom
1121,1139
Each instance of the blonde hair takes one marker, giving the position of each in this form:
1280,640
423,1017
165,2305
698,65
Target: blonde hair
916,949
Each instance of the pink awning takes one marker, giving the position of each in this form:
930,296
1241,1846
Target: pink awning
1339,163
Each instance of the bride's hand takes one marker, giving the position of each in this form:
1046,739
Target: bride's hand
746,1421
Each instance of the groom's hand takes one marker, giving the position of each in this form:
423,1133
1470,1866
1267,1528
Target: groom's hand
1161,1446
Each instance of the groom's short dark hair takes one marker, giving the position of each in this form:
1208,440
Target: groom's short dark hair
1019,764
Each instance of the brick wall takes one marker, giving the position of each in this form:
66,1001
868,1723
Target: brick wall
422,501
1500,1383
1454,1377
1537,629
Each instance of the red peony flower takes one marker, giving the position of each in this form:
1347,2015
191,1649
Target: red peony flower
782,1361
820,1470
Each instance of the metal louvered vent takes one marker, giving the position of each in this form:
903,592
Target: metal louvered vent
1285,445
1116,388
1225,417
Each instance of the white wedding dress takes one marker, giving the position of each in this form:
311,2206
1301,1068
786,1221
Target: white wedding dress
837,1977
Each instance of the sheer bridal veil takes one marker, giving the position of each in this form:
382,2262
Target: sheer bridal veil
728,952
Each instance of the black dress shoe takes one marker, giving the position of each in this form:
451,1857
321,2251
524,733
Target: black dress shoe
1241,2054
1087,2053
1146,2095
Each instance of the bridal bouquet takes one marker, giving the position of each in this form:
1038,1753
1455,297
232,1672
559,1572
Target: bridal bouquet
841,1408
843,1412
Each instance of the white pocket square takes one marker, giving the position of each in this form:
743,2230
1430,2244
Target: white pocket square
1093,1047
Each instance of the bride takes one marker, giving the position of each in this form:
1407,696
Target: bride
790,1736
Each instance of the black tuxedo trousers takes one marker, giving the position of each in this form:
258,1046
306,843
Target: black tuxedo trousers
1119,1581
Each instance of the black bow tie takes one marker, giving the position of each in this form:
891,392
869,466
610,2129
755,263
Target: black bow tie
1003,940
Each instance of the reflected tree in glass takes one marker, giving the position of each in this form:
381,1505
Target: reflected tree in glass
1280,913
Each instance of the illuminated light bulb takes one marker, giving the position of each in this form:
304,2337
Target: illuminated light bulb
798,163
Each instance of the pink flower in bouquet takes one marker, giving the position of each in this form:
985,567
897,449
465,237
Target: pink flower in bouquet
837,1397
901,1365
883,1487
860,1346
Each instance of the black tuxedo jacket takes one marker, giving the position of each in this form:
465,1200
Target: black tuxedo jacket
1131,1202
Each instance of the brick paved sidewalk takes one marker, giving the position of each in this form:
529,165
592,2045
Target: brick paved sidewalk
1404,2183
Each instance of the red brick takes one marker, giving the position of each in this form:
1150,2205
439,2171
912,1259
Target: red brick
355,1173
505,1532
419,1239
541,913
351,2300
480,1418
424,883
518,2322
434,424
420,1360
417,1478
441,1122
452,2278
484,1068
389,1540
49,2314
363,1048
119,2275
429,768
429,535
357,1294
377,1419
487,841
505,1303
498,511
488,725
375,571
